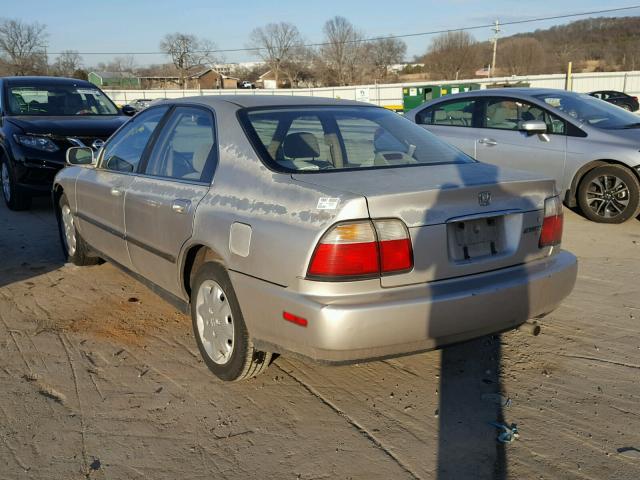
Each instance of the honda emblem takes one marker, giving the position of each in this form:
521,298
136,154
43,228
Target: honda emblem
484,198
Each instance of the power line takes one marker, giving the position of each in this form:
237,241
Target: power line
372,39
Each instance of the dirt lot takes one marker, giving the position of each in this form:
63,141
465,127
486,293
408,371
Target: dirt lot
99,378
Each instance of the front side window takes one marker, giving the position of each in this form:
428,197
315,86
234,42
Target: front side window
591,111
509,113
58,101
123,151
184,146
334,138
454,113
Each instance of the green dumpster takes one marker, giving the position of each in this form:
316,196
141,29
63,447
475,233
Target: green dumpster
415,96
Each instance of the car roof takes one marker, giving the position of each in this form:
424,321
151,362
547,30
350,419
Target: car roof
42,80
523,91
250,101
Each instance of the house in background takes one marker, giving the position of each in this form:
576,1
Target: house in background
207,79
115,80
268,80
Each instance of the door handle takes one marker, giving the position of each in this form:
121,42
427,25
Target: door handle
180,206
490,142
116,191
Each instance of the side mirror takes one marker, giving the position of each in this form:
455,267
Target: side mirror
80,156
533,127
129,111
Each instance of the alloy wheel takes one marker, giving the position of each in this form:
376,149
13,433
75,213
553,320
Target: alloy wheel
608,196
215,322
69,230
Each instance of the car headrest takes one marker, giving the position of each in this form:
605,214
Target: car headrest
527,116
301,145
383,141
200,156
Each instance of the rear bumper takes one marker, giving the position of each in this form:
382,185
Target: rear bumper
402,320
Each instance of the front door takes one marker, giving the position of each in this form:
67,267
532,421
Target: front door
161,203
500,141
101,191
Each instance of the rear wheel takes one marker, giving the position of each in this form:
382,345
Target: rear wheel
74,248
609,194
219,328
14,196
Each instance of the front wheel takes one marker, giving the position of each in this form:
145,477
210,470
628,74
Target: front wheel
74,248
609,194
219,328
13,196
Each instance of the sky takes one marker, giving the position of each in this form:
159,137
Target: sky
138,25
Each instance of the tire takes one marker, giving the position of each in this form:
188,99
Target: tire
219,330
626,106
75,251
15,198
619,190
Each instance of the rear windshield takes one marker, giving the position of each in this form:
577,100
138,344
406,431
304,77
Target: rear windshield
338,138
58,100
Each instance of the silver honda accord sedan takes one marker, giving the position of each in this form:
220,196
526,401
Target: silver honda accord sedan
332,230
588,146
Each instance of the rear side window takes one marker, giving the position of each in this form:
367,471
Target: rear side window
329,138
454,113
184,146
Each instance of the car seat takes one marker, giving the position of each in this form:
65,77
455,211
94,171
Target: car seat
303,149
198,161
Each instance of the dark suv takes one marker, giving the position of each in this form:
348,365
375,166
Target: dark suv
40,117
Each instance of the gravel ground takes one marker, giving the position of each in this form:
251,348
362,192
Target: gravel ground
99,378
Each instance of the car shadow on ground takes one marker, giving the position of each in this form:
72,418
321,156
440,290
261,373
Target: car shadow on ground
472,401
29,243
470,398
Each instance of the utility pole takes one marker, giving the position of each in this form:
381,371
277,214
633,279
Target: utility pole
496,31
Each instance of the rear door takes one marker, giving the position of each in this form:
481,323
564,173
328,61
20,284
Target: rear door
500,141
454,121
101,191
161,203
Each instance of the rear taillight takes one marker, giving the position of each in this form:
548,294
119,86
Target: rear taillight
362,249
551,233
395,246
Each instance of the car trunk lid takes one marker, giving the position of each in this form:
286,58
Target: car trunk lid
462,218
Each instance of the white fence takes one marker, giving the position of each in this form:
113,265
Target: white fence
391,94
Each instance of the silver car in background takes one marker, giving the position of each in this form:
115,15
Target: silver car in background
589,147
334,230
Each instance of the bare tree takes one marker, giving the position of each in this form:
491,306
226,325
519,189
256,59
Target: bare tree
126,64
23,46
450,54
187,52
250,74
384,53
298,69
67,63
342,52
521,55
280,45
